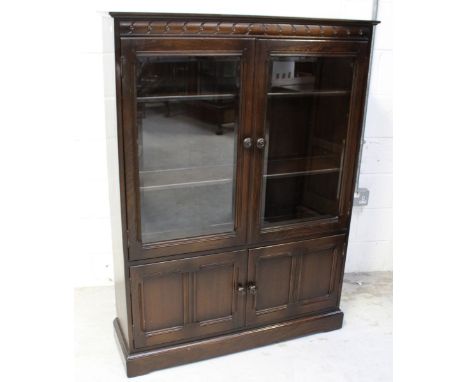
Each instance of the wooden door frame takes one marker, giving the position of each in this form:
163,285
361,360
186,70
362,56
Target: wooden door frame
314,48
130,47
188,268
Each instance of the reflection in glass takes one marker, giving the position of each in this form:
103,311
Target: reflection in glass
306,126
187,116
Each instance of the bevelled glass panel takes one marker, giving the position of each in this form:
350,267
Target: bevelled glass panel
187,118
306,128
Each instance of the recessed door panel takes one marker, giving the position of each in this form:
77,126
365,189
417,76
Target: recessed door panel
289,280
213,287
178,300
315,278
166,289
273,279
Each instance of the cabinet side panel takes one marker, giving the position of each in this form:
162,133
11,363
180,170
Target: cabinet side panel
117,200
116,226
360,110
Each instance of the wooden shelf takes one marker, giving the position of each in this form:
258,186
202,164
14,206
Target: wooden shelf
302,166
187,97
185,177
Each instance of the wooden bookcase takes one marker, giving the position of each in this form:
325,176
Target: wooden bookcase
238,140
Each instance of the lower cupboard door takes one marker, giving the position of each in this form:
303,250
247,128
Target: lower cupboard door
293,279
177,300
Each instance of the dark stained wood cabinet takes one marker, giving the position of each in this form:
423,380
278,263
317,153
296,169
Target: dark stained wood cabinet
238,140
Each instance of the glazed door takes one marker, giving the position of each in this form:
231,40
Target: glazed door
289,280
184,299
185,105
308,111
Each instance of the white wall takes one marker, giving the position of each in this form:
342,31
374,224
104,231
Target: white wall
370,241
371,232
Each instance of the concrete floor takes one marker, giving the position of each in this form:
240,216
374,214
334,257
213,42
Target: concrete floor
361,351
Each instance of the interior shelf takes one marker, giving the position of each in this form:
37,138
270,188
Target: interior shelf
185,177
301,90
189,232
302,166
290,219
187,97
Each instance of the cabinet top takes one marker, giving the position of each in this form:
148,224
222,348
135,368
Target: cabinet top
173,24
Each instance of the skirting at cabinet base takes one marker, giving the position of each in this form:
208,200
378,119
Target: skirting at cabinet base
150,360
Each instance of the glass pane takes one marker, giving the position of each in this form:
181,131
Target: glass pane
187,114
306,126
185,76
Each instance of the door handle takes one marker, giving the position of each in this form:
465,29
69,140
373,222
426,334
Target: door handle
261,143
247,142
252,289
240,289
